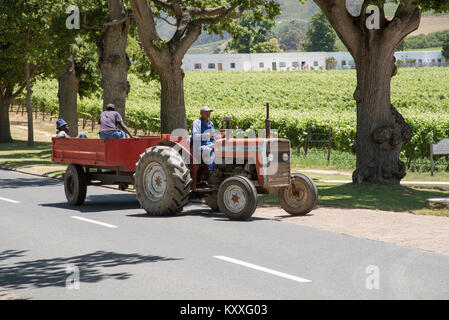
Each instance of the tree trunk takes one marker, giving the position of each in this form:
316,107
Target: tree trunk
381,130
173,112
5,130
28,105
114,62
68,84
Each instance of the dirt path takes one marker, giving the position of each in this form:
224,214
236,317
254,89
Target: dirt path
46,134
430,233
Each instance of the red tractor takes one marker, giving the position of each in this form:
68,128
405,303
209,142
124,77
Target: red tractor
166,175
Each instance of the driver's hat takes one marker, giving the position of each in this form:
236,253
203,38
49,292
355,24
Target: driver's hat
205,109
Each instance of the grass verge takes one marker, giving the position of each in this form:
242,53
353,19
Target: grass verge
375,197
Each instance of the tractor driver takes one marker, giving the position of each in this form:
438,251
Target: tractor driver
203,133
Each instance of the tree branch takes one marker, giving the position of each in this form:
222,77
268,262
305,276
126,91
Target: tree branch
173,6
165,19
148,35
344,24
194,11
103,27
216,17
190,35
405,21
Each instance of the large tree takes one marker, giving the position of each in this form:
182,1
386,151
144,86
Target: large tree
78,76
320,36
253,31
108,22
372,39
189,17
27,52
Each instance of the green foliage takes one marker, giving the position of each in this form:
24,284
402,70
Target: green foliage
299,99
269,46
445,50
250,31
422,41
86,58
291,39
141,65
29,33
321,36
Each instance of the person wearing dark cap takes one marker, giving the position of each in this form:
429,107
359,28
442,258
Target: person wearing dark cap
110,122
63,129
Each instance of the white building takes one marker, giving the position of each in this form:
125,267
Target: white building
295,61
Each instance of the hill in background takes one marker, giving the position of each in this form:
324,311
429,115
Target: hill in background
293,10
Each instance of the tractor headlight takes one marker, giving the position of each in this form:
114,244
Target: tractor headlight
285,157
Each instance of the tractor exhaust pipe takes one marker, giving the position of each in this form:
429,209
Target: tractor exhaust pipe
268,123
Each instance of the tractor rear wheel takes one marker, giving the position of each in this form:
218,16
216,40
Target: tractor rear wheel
237,198
75,185
162,181
300,197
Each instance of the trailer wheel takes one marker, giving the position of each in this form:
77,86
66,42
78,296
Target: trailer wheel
162,181
212,201
300,197
237,198
75,185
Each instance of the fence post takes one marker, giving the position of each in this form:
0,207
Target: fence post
84,123
431,158
329,146
306,147
93,123
35,113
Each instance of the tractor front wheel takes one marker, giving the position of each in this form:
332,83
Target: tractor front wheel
237,198
162,181
300,197
75,185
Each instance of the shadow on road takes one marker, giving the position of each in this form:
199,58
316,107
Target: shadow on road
52,272
128,201
195,209
8,254
100,203
28,182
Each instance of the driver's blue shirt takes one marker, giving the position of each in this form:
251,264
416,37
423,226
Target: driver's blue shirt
206,144
200,127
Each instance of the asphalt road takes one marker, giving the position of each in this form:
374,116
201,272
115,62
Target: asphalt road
121,253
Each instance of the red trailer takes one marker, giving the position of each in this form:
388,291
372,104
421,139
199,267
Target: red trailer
119,154
98,162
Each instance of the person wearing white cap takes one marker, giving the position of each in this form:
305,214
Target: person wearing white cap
203,133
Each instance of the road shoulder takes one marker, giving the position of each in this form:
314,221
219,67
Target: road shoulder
425,232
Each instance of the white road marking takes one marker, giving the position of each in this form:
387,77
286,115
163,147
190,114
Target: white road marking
96,222
9,200
263,269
